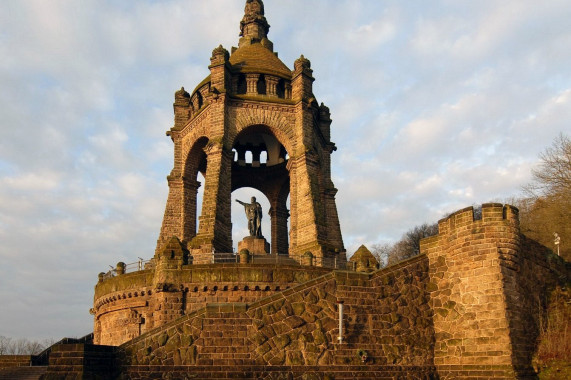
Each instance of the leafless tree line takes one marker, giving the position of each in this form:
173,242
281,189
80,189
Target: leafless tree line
22,346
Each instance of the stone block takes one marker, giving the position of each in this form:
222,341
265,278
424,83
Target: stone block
256,246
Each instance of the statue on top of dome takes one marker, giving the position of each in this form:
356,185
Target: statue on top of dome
254,8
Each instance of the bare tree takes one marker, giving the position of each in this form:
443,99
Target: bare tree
409,245
547,208
382,251
5,345
22,346
553,177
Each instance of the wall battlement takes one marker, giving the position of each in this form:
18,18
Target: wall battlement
487,281
465,218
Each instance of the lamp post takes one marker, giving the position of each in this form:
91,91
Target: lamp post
557,241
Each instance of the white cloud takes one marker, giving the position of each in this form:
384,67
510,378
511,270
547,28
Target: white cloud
435,107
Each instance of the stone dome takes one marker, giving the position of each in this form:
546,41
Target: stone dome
256,58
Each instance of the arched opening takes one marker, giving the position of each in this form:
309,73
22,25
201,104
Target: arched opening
193,189
239,219
260,171
261,85
242,86
199,198
280,89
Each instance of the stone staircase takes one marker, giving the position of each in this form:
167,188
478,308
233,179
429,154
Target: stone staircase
22,373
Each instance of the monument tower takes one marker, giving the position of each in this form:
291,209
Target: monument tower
252,102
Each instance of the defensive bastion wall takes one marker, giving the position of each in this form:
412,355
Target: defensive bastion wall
468,305
488,285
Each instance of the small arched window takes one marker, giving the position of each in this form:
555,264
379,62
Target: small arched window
280,89
242,86
261,85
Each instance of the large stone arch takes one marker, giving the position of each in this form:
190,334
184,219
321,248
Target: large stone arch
195,161
279,123
270,178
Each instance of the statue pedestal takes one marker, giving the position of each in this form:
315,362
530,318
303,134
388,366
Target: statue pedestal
256,246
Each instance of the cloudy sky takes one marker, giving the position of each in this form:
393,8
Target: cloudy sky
436,106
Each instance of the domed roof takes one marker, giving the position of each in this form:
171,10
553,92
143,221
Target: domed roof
255,52
256,58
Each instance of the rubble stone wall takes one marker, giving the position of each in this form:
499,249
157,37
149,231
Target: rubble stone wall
386,317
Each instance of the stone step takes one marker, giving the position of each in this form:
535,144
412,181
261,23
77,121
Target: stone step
22,373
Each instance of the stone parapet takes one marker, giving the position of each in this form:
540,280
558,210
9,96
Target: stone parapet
127,306
7,361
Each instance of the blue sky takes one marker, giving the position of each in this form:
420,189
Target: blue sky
435,105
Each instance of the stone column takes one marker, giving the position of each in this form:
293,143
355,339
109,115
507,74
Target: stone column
279,216
195,102
256,152
287,90
182,108
333,228
302,82
215,226
190,191
252,84
172,217
219,72
235,84
241,154
271,85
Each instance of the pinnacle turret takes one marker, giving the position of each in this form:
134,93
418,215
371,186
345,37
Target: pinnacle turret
254,27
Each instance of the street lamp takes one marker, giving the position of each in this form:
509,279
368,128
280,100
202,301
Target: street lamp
557,241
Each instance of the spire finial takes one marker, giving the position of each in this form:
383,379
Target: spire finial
254,26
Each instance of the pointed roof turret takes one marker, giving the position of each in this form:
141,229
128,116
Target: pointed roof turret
254,27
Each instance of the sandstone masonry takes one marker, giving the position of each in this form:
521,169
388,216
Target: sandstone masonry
468,307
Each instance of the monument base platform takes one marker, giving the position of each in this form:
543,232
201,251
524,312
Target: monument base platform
256,246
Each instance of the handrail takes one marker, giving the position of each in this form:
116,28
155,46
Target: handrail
233,257
136,266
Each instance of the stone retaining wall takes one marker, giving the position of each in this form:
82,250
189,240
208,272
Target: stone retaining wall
299,327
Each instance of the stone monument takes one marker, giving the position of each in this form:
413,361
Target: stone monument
252,105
